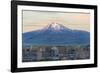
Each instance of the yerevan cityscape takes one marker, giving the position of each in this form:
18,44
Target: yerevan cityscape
54,39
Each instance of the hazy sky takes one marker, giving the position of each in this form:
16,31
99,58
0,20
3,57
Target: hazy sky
34,20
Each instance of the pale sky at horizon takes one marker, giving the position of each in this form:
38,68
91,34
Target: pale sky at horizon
34,20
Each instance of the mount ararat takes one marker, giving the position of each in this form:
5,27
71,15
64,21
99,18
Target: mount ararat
56,34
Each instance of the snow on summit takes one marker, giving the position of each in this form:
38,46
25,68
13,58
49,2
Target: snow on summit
55,26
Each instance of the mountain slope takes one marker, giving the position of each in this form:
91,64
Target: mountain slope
56,34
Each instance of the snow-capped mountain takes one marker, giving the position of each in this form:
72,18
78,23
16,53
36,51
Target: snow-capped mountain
56,34
55,26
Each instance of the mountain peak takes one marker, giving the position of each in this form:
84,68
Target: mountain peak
55,26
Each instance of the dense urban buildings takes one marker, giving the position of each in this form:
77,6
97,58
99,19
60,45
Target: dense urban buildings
52,53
